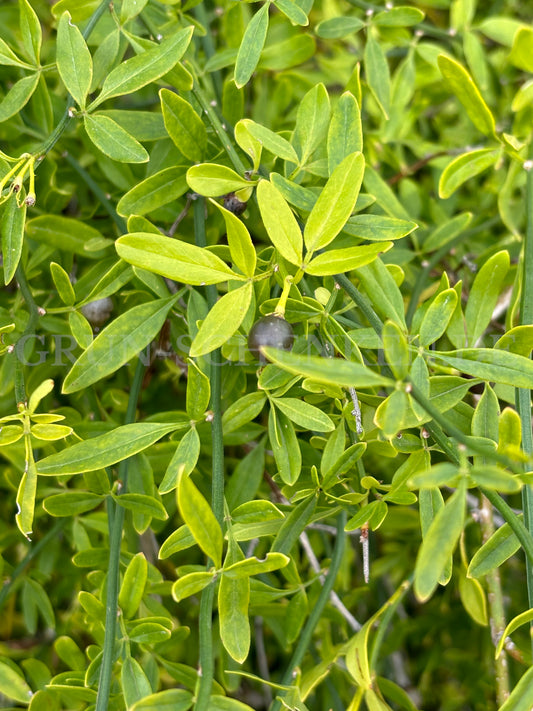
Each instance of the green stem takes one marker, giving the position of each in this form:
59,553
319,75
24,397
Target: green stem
97,191
316,613
523,396
361,301
20,388
205,621
219,130
113,572
34,551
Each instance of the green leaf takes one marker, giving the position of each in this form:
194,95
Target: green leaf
396,349
270,141
464,88
133,583
9,58
521,697
335,203
392,412
384,195
118,343
149,633
174,259
335,261
18,96
331,371
280,222
134,73
239,241
26,499
213,180
12,228
179,540
522,49
233,601
142,504
74,61
66,233
30,29
242,411
167,700
80,328
447,231
184,126
198,392
113,140
303,414
251,46
437,317
222,321
464,167
345,133
153,192
294,525
494,552
49,432
293,11
197,514
135,684
439,544
13,685
380,286
183,461
62,282
285,446
378,74
71,503
130,9
491,365
254,566
484,295
339,27
401,16
312,121
376,228
105,450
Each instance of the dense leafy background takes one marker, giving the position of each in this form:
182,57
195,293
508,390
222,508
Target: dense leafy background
172,171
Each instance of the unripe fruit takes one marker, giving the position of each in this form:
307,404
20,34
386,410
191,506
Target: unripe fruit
270,331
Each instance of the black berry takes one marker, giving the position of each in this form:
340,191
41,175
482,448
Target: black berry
271,331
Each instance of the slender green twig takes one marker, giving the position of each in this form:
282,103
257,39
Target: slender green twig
361,301
97,191
307,632
206,662
33,551
523,397
113,577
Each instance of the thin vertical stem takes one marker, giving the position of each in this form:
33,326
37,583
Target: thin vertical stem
313,619
113,577
20,388
205,621
523,397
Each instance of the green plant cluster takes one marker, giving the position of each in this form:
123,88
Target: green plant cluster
192,518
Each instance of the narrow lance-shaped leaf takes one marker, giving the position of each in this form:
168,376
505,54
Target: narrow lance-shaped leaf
74,61
240,243
466,91
492,365
312,121
199,517
30,29
144,68
105,450
174,259
439,543
113,140
285,446
335,203
222,321
13,686
118,343
464,167
214,180
18,96
251,46
378,74
345,134
484,295
184,126
12,227
280,222
270,141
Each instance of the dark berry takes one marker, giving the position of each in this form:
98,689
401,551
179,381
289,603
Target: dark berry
233,204
272,331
